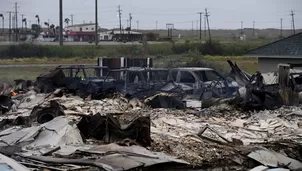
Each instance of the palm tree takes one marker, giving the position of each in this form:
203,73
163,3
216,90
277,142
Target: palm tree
2,16
53,28
47,24
38,19
66,21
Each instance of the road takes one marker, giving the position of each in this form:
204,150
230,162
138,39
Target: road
81,43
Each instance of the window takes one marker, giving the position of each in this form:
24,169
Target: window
86,28
173,76
81,28
186,77
211,76
92,28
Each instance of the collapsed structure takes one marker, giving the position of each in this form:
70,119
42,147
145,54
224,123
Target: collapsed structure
75,118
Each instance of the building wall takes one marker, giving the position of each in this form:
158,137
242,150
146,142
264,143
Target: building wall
105,36
84,28
271,64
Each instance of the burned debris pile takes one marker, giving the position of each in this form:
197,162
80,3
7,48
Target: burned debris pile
137,118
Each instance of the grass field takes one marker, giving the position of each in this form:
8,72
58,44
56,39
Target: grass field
248,64
8,74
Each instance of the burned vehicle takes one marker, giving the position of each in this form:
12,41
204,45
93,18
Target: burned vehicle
255,93
138,81
202,83
79,78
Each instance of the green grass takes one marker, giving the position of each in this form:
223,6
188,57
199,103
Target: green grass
9,74
248,64
45,60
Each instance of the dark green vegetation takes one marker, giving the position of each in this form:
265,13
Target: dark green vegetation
213,48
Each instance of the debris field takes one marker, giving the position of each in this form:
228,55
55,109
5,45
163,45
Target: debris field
63,129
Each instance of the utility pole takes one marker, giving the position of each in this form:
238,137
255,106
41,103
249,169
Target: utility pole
192,26
241,32
130,19
2,16
16,17
156,26
61,22
137,25
205,27
293,21
196,26
120,19
200,20
22,16
96,23
291,27
10,26
253,28
209,30
170,27
71,17
281,27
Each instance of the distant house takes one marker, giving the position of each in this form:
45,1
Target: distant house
116,35
286,50
82,32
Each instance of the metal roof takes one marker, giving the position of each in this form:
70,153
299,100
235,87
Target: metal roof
289,47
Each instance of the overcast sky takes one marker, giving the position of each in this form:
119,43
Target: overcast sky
224,14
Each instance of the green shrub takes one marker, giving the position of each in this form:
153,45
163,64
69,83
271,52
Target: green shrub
190,48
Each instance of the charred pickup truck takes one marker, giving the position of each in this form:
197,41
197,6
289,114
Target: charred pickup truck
79,78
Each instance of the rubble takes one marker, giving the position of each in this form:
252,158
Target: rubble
129,123
61,126
5,103
108,129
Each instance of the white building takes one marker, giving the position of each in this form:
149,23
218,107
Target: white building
86,27
115,35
